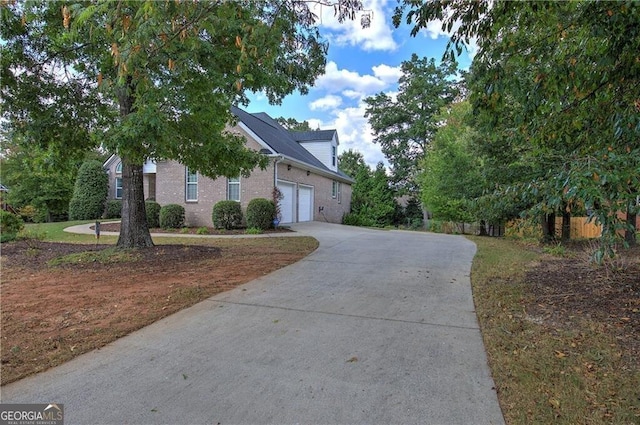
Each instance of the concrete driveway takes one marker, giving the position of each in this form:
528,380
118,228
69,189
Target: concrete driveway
374,327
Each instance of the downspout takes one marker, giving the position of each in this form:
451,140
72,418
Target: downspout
275,170
275,181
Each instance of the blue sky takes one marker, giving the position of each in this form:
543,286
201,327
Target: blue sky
360,63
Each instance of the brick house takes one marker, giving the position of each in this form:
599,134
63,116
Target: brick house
303,165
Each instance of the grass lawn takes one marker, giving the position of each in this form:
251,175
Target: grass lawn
556,360
54,232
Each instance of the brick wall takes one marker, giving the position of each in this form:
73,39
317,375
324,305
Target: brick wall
322,193
170,188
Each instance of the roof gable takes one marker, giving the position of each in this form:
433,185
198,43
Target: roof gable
280,140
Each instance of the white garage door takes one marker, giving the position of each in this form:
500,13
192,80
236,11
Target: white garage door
287,203
305,203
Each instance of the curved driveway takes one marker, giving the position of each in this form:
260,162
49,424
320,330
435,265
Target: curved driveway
374,327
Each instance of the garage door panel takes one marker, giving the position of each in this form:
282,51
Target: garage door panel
305,203
287,202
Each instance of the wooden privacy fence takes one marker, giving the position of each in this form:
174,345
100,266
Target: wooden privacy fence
581,228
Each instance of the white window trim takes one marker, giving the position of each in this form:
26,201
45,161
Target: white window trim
188,183
118,187
118,171
229,183
336,191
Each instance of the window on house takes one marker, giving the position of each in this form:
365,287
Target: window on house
233,189
191,189
336,191
118,187
118,194
333,156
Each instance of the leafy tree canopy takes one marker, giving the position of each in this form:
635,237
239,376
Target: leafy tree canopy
294,125
352,162
404,126
153,80
566,74
451,178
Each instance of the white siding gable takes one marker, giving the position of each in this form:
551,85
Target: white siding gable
324,150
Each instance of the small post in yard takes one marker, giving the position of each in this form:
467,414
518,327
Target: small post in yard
97,232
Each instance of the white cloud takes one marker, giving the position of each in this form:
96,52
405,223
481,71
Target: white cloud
354,132
336,80
327,102
388,74
351,94
378,36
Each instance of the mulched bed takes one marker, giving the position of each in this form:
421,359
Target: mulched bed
568,289
158,257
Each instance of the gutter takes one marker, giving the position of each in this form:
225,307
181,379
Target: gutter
305,166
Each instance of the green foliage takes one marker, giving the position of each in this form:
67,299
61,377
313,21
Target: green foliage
227,215
202,231
29,213
352,162
253,231
405,127
451,175
260,213
152,209
413,210
294,125
434,226
560,118
171,216
557,250
152,79
114,209
372,199
10,225
37,177
31,238
89,193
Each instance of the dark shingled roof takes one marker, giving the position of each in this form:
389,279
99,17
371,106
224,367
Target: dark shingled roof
285,142
309,136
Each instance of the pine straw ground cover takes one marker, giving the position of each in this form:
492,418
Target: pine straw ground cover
562,335
59,300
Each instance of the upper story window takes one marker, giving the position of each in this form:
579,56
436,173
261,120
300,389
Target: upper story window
191,189
334,158
233,189
119,168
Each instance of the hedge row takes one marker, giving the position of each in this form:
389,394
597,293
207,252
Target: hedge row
225,215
